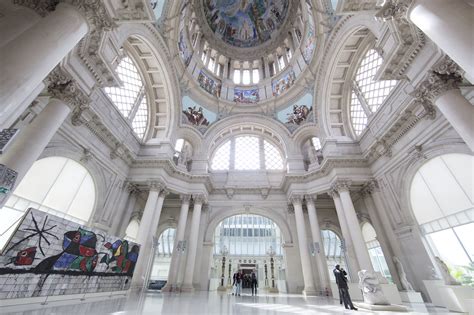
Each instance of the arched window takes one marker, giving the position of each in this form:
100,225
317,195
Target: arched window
441,196
367,93
56,185
163,252
333,250
166,242
130,98
375,251
247,235
247,153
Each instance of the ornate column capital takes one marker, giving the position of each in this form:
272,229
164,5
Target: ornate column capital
297,199
370,187
185,198
333,193
311,198
394,10
341,185
199,198
156,186
63,87
444,76
131,188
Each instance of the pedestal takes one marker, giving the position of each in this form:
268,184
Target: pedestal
272,290
433,292
309,293
354,291
456,297
222,288
383,308
391,293
411,297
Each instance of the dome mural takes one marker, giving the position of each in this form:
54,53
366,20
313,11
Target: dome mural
245,23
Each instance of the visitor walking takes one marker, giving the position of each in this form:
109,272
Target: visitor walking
341,281
254,283
237,283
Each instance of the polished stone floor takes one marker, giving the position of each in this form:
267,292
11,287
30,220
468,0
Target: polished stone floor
201,303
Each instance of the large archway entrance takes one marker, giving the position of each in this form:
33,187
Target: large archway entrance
250,243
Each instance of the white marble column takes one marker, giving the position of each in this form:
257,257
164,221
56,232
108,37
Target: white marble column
192,242
15,20
176,257
441,89
146,232
131,201
355,231
449,24
33,138
309,288
30,57
352,263
320,255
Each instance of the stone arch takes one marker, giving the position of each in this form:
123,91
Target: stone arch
275,217
149,51
408,171
331,88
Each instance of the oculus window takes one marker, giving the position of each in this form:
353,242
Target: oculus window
368,94
130,98
246,153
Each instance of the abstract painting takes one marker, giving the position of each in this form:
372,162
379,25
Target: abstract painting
246,96
47,254
245,23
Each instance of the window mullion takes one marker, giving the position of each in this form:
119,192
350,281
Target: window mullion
361,98
136,105
261,153
232,154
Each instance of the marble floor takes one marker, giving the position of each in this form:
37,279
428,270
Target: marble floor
201,303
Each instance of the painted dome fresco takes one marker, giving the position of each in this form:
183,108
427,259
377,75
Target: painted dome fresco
245,23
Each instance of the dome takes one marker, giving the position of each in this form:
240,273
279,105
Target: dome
245,23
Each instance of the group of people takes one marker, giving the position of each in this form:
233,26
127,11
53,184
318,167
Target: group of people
240,279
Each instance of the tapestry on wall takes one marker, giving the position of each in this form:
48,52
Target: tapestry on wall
48,255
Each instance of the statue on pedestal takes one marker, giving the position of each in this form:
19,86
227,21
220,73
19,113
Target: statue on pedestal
371,290
406,285
445,274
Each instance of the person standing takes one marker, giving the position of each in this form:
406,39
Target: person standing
254,283
341,281
238,283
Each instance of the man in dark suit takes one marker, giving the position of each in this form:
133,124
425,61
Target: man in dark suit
341,281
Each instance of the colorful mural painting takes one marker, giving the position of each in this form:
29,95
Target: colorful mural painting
196,116
297,114
184,52
309,45
46,254
245,23
282,84
246,96
212,86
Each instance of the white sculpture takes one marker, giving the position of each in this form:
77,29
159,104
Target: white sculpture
406,285
447,277
371,290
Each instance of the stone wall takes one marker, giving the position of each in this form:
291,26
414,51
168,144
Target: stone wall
49,255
